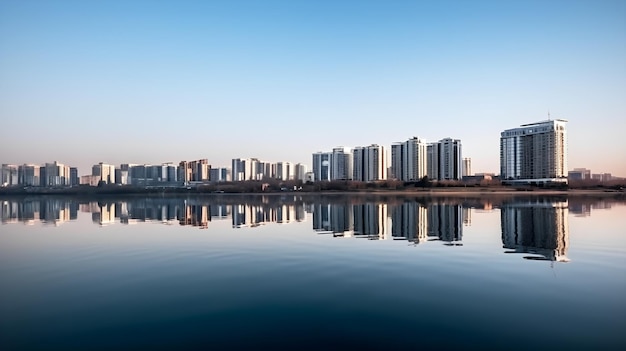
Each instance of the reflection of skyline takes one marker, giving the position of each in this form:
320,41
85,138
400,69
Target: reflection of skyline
583,209
410,221
534,225
185,212
38,211
538,227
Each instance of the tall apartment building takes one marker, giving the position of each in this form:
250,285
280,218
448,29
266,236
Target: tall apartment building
409,160
341,164
74,179
322,165
284,171
105,172
9,175
535,152
369,163
450,165
194,171
142,175
300,171
56,174
29,175
248,169
220,174
444,160
432,161
467,167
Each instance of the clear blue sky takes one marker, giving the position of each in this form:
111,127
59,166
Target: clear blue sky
83,82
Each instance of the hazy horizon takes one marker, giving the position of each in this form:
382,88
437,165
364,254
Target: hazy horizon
153,82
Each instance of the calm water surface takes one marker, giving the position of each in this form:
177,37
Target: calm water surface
291,272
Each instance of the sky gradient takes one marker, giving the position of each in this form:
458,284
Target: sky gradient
84,82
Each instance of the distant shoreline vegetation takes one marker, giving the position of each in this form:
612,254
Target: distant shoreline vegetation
281,187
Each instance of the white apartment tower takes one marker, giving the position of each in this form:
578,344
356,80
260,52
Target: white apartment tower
535,152
104,172
396,169
369,163
409,160
450,165
445,160
284,171
432,161
300,172
467,166
242,169
57,174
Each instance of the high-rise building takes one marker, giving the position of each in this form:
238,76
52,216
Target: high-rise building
369,163
284,171
193,171
467,166
450,165
10,175
408,160
432,161
300,172
534,153
248,169
444,160
74,180
29,175
105,172
396,169
341,165
322,165
220,174
56,174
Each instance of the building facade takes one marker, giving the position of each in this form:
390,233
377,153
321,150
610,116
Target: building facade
29,175
444,160
322,166
105,172
534,153
369,163
579,174
409,160
9,175
341,165
56,174
467,167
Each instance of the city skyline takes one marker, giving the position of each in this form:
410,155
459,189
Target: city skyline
146,82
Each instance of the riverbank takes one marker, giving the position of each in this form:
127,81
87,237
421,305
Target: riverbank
407,192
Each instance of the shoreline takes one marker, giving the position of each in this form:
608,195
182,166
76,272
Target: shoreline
418,193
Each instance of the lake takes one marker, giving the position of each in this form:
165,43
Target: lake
319,272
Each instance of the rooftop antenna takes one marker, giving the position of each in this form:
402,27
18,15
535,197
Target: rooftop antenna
548,115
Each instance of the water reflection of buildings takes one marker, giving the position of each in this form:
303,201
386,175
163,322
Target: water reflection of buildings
410,221
583,209
247,215
537,227
38,211
445,223
187,212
